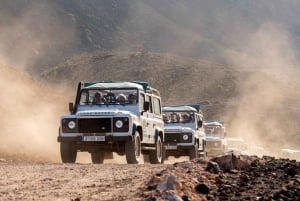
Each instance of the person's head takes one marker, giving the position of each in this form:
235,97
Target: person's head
174,117
98,98
121,99
186,117
110,97
132,98
165,118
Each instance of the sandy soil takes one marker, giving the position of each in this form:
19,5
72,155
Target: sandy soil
247,178
55,181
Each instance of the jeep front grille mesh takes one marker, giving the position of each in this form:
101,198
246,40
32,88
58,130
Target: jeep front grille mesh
177,138
97,125
213,144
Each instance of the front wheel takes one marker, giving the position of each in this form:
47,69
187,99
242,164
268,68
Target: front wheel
133,149
193,152
67,153
97,157
157,156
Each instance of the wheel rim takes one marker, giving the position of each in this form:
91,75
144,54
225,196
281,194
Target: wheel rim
159,150
137,147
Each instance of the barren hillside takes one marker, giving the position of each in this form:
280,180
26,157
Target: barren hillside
259,106
52,31
238,59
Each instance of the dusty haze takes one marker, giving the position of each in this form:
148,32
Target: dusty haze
31,109
30,116
32,32
267,108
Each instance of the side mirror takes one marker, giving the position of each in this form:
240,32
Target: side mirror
71,107
146,106
199,124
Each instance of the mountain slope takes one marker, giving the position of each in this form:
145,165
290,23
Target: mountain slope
256,105
54,31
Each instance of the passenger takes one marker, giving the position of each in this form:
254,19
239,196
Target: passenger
110,98
166,118
186,118
98,99
174,118
121,99
132,99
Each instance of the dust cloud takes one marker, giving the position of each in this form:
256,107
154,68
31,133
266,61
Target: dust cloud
265,113
30,109
30,117
31,32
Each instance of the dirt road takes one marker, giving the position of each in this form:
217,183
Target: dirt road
49,181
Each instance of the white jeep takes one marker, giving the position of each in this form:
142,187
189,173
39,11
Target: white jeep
121,117
184,134
215,138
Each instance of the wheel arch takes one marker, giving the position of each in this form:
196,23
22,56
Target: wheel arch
160,133
138,128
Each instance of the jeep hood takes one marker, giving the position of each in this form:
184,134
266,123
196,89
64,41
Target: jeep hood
177,129
213,138
103,112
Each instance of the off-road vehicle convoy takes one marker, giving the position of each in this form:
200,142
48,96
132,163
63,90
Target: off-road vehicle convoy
184,134
215,138
121,117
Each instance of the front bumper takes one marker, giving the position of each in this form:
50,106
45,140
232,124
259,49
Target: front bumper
109,138
174,147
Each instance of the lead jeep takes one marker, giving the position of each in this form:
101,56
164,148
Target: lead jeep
107,117
184,134
215,138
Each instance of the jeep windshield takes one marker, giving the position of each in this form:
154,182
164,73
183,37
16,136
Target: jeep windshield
109,96
172,117
213,130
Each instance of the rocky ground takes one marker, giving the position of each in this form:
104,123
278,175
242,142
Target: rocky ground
229,178
222,178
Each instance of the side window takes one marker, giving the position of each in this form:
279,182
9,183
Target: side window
141,101
199,121
84,98
156,106
148,98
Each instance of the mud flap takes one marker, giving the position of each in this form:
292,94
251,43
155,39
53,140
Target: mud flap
108,155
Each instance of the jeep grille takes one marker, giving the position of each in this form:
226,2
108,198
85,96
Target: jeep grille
97,125
177,138
213,144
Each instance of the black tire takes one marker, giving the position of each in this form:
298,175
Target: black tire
97,157
193,152
67,153
157,156
133,149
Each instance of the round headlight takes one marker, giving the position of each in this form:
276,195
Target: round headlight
71,124
185,137
216,144
119,124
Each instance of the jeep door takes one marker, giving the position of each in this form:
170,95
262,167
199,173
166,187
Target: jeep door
146,120
199,131
157,114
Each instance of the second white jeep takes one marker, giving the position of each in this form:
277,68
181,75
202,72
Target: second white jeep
184,134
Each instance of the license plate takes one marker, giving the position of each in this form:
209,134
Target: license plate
93,138
172,147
